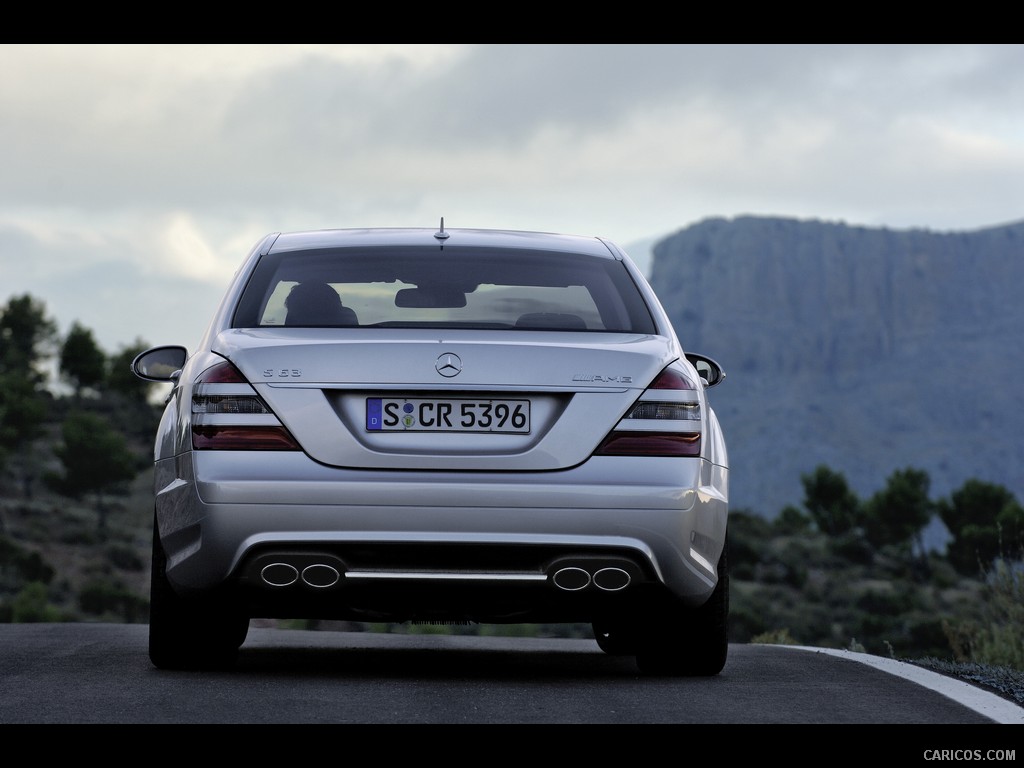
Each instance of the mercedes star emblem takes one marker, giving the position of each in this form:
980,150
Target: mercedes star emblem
448,365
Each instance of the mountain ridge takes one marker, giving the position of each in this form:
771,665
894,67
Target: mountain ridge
867,350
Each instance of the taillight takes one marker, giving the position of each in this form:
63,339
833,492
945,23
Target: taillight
650,444
226,438
670,378
228,415
664,421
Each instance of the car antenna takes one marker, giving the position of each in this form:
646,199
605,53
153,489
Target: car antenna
441,234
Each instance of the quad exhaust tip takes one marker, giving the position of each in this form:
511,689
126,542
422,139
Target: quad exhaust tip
317,575
574,578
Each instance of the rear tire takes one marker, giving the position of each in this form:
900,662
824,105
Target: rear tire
194,633
690,642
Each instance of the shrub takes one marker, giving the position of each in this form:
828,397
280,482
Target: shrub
747,534
102,598
852,547
775,637
32,605
893,603
125,557
1000,641
22,564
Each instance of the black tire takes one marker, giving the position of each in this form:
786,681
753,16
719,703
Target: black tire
189,633
690,642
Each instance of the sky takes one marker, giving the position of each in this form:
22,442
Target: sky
134,179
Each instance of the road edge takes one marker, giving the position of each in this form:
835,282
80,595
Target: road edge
971,696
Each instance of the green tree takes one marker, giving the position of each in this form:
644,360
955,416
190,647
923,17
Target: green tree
834,508
27,338
82,363
985,521
96,460
898,514
23,410
128,397
120,377
791,521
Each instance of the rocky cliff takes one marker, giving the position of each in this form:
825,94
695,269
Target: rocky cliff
868,350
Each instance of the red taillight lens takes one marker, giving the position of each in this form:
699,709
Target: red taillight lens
650,444
242,438
672,379
222,373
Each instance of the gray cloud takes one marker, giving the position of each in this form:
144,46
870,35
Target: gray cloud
174,159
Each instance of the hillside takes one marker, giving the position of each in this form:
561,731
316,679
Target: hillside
867,350
91,573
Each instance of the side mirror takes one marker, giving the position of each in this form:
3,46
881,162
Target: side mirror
160,363
707,369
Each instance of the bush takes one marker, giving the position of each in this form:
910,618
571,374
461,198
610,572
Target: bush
102,598
889,603
745,623
32,605
125,557
747,534
775,637
852,547
996,636
926,635
1000,640
21,564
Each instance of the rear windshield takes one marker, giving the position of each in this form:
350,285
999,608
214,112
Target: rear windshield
443,288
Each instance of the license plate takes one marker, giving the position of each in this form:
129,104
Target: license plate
402,414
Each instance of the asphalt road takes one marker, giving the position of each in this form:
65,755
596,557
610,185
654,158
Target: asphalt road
101,674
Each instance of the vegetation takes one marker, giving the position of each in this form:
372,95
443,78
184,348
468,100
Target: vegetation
854,574
59,560
830,571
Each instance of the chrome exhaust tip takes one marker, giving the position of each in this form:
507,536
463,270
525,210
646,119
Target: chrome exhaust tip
571,579
320,575
279,574
611,579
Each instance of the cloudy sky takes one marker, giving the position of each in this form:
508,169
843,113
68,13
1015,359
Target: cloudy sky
135,178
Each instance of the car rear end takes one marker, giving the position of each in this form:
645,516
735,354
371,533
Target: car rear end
509,431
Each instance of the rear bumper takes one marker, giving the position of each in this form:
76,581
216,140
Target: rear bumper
296,538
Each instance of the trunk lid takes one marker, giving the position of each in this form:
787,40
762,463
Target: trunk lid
464,400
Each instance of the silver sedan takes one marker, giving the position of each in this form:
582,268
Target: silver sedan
446,425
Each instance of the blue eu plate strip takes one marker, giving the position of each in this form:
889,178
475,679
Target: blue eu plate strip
373,413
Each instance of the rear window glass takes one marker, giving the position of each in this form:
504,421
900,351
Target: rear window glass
443,288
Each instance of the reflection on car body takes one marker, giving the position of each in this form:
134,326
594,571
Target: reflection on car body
456,425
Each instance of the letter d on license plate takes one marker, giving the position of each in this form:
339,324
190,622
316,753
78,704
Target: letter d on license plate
400,414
